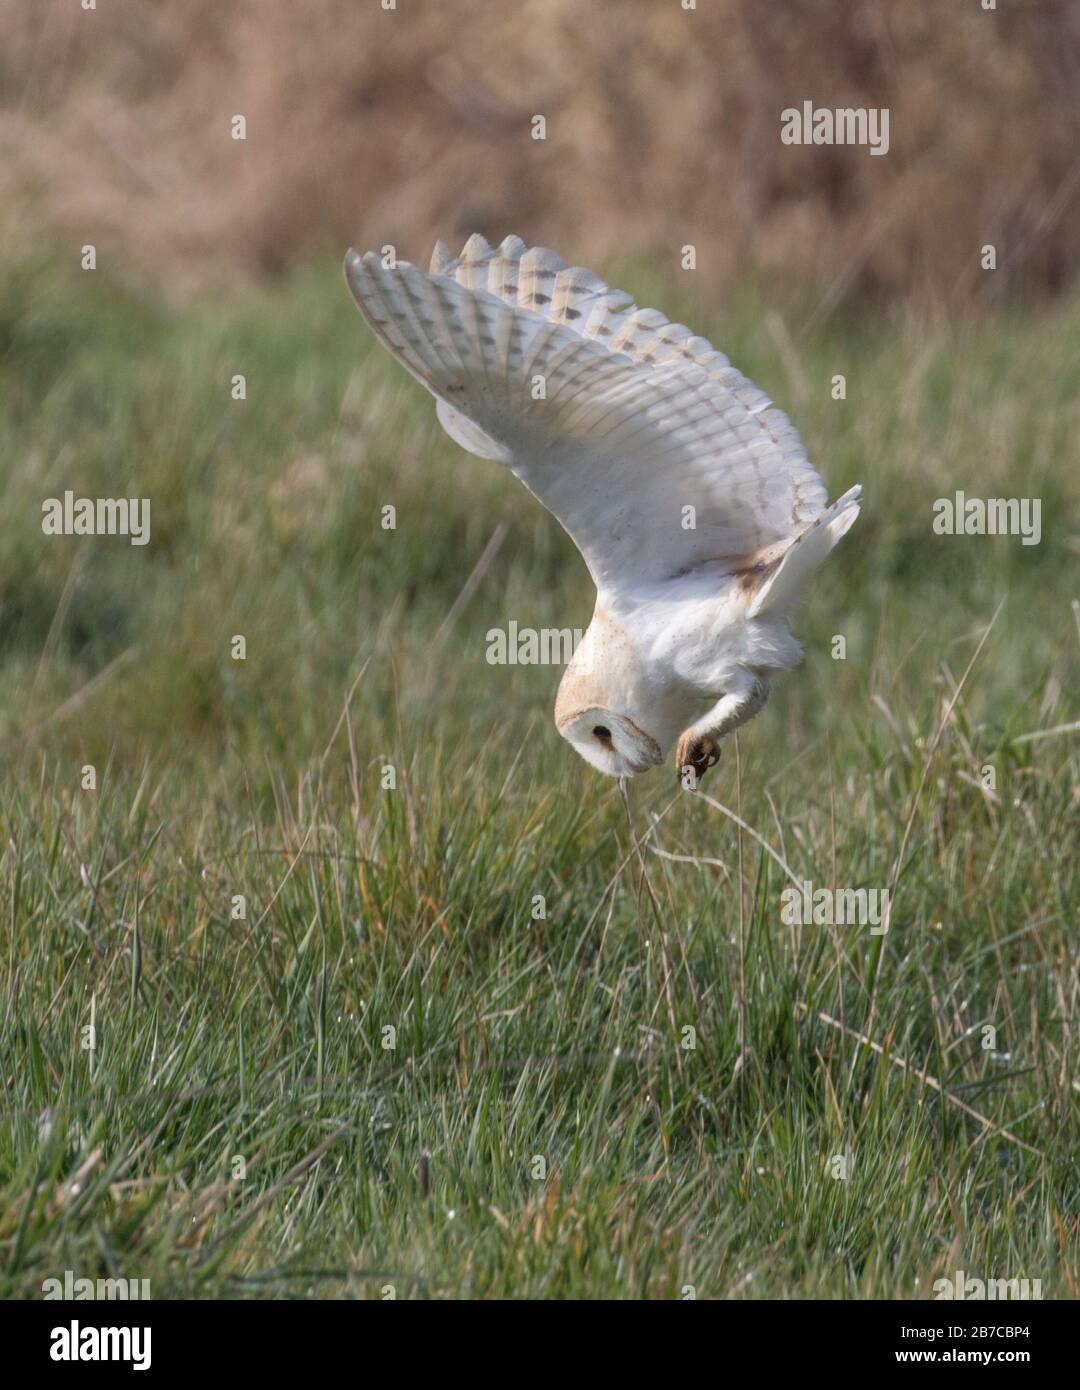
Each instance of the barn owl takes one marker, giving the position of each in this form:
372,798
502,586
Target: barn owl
687,492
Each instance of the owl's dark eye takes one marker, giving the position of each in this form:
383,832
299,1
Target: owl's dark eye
602,732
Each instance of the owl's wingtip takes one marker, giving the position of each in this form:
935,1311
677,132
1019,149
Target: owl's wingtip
352,263
442,261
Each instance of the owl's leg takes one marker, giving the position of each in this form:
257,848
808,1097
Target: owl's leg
699,745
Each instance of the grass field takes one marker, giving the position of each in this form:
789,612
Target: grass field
540,1126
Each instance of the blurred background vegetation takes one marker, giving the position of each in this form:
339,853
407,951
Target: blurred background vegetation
372,126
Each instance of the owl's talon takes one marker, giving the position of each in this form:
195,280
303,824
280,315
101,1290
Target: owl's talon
698,753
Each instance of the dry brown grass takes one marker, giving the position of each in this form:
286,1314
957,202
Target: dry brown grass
370,126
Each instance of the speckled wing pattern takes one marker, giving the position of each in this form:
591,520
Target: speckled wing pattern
615,418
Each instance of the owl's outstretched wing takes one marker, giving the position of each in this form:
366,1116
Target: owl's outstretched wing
617,420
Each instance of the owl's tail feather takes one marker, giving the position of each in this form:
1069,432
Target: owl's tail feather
805,554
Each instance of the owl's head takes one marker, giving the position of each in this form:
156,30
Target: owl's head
604,708
611,742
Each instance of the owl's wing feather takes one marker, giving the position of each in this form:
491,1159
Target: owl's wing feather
616,419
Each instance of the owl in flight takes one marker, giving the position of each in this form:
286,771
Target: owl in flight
688,493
